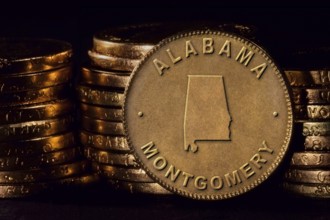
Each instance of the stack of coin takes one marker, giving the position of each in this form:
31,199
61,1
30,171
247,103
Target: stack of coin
114,55
309,170
37,144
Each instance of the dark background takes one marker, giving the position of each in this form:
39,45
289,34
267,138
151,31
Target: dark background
283,30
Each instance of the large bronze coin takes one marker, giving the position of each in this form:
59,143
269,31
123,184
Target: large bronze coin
20,56
198,112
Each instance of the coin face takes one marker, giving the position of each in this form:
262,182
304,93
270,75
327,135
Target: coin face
208,115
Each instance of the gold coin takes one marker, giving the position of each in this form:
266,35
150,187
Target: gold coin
102,127
317,143
34,96
32,129
44,174
104,78
122,173
308,78
104,142
311,159
310,190
311,96
17,83
307,176
42,111
200,126
37,145
103,113
135,187
110,158
318,111
99,96
20,56
38,161
112,63
316,128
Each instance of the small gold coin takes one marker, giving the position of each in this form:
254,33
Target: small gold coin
135,187
310,159
308,176
316,128
317,143
33,129
35,112
102,113
34,96
104,142
309,190
21,56
121,173
110,158
112,63
311,96
99,96
308,78
38,145
104,78
17,83
102,127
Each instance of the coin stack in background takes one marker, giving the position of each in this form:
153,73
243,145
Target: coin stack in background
37,144
309,172
114,55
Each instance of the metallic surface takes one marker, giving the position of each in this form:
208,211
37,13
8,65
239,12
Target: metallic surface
102,127
307,176
214,137
317,143
311,95
308,78
309,190
317,112
316,128
310,159
103,113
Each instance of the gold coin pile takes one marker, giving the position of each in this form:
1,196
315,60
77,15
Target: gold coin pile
37,144
309,172
114,55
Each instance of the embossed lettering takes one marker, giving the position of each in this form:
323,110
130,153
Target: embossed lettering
200,182
247,170
187,177
265,148
244,56
173,173
259,70
149,150
160,163
173,59
190,49
256,160
232,178
226,48
216,182
160,66
208,46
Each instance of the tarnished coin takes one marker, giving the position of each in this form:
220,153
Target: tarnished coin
317,143
102,127
22,56
38,145
318,111
112,63
99,96
104,78
309,190
310,159
34,96
103,113
33,129
42,111
110,158
104,142
311,96
307,176
122,173
308,78
201,126
17,83
134,187
316,128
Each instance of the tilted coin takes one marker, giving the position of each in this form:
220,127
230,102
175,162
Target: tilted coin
310,159
38,145
35,112
110,158
44,174
103,113
311,96
32,129
102,127
135,187
16,83
308,78
38,161
112,63
34,96
307,176
104,78
310,190
318,111
32,55
99,96
317,143
122,173
199,127
104,142
316,128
